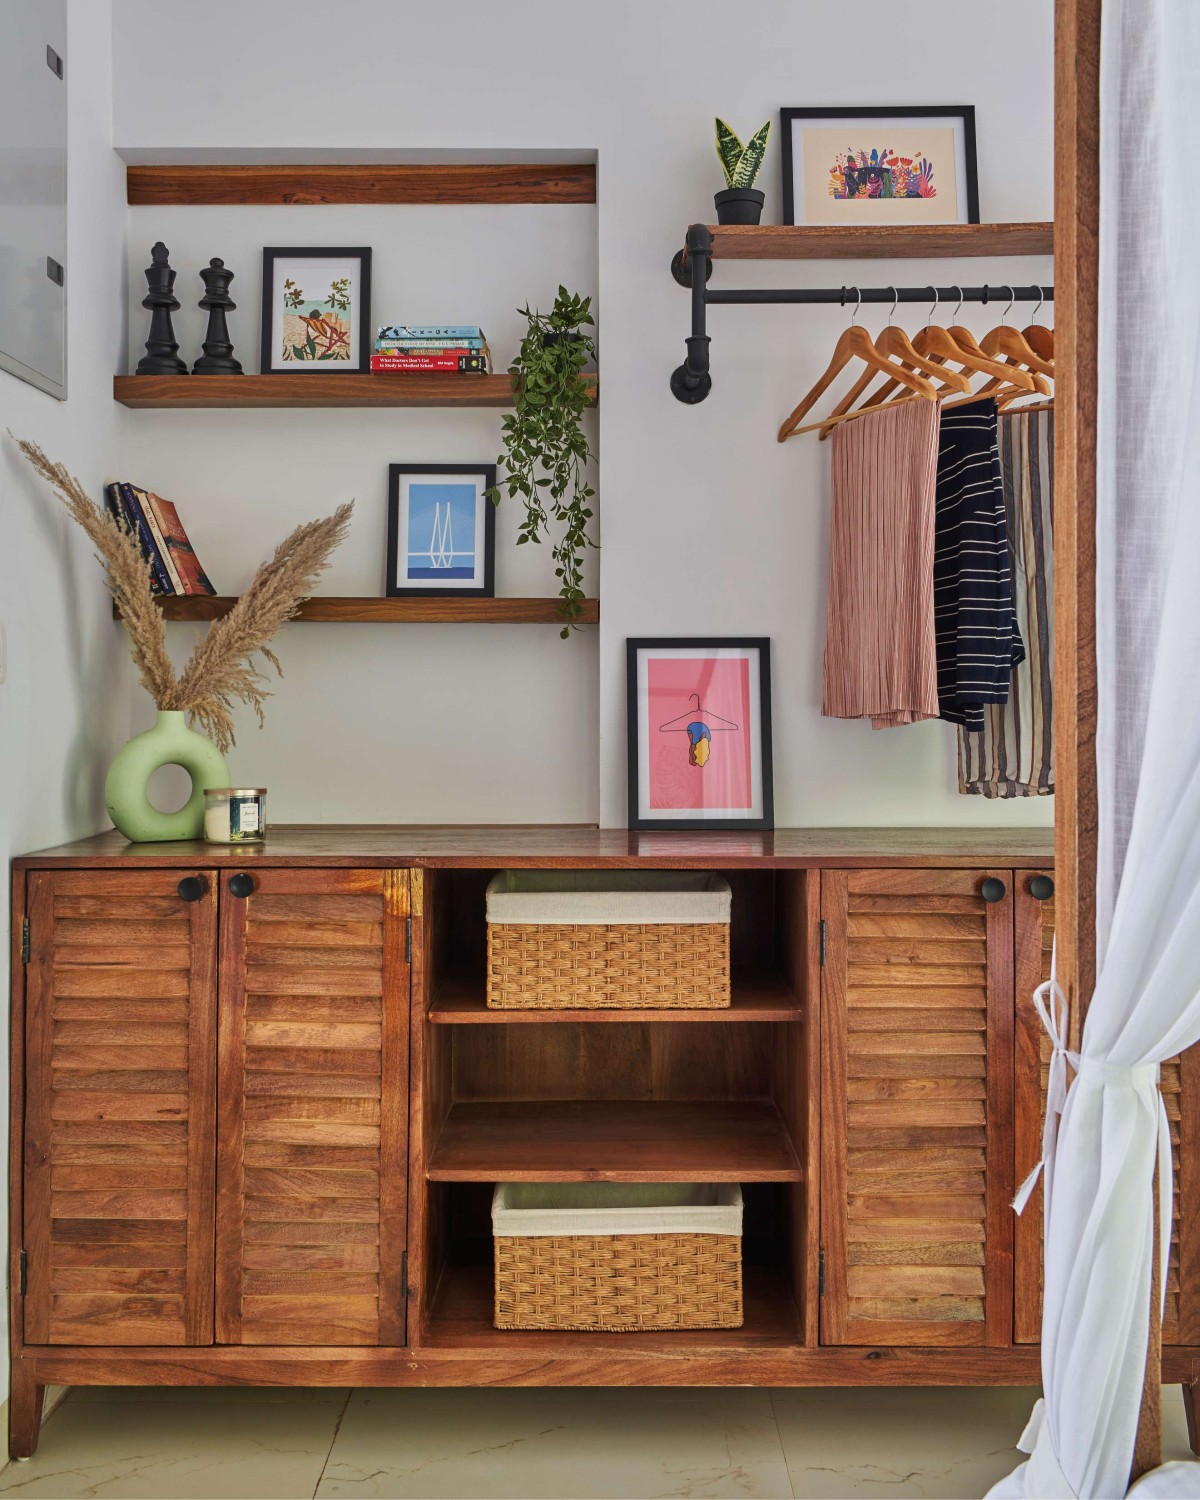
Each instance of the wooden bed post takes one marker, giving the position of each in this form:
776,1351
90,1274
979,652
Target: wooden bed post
1076,281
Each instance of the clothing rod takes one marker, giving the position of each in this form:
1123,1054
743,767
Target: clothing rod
946,300
692,267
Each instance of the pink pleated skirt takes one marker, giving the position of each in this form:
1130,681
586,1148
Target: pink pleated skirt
880,659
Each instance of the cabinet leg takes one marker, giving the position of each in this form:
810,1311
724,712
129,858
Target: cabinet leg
25,1403
1191,1402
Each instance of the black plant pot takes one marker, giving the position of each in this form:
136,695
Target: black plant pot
739,205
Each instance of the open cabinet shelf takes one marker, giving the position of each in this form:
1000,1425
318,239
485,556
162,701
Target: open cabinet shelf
637,1096
877,241
758,995
462,1318
614,1140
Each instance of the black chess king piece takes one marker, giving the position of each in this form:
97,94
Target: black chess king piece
162,352
217,358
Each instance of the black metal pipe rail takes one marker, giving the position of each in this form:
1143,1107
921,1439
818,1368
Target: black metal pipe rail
692,380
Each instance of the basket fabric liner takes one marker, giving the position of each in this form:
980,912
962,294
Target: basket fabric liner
543,1209
607,898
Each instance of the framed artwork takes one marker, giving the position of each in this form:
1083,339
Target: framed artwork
316,310
700,733
911,164
441,530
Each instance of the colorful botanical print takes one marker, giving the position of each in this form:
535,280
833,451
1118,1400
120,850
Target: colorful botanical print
881,174
316,329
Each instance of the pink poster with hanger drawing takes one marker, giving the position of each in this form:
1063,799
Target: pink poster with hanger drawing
699,727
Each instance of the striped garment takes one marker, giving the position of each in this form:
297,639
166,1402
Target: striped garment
879,648
978,642
1013,755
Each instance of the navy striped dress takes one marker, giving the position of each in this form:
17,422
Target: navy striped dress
977,639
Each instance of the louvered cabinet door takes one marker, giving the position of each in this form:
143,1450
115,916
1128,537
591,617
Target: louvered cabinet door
313,1087
1180,1084
916,1116
119,1124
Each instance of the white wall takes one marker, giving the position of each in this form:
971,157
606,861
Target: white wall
708,525
64,708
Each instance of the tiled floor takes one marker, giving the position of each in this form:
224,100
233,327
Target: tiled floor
474,1444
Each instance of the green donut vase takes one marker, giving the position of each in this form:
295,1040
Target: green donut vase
169,743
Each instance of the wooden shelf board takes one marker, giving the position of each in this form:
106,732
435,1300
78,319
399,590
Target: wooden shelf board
461,1318
320,388
371,611
873,242
614,1141
483,182
757,996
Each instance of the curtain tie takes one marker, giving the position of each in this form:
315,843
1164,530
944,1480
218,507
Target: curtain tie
1051,1005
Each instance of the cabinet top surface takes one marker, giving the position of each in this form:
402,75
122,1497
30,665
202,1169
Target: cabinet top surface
483,847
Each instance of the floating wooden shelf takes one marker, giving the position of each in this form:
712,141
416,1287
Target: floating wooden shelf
462,1318
877,242
180,392
614,1141
369,611
484,182
756,997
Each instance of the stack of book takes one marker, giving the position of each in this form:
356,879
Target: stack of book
174,566
431,348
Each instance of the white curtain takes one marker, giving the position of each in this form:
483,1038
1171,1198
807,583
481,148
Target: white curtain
1147,1001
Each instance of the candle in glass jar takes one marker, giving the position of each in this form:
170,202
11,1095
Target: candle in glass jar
234,815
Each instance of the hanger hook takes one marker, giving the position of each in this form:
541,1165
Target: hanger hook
1041,298
934,305
895,304
1012,298
857,306
961,298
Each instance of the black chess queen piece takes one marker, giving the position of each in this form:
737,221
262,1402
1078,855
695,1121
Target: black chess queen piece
217,358
162,352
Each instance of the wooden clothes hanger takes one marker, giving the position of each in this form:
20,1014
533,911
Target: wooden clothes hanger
855,343
934,351
941,347
1041,338
1016,350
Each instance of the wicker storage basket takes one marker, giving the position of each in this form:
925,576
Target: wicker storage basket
618,1256
607,940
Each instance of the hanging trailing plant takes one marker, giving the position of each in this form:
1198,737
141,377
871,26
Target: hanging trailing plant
545,449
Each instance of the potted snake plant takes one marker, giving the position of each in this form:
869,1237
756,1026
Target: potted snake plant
740,202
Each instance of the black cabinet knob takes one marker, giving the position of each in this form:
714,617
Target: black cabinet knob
992,889
1041,887
192,887
241,885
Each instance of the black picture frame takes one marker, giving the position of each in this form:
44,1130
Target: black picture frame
396,588
761,644
273,253
963,112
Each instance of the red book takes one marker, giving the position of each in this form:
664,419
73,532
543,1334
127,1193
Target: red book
192,576
394,364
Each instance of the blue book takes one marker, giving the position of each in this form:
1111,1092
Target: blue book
133,510
431,331
419,346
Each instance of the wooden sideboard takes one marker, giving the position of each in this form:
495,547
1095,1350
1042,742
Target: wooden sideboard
258,1104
